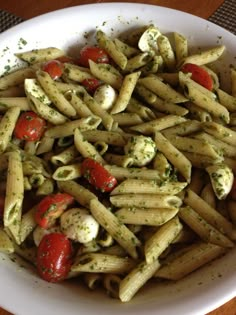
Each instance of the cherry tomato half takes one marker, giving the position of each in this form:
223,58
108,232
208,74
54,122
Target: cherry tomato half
51,207
54,257
97,175
199,75
54,68
96,54
91,84
29,126
66,59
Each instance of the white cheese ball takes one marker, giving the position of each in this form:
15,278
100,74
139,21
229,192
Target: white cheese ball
105,96
78,225
222,179
141,149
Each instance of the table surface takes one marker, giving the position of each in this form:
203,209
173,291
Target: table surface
27,9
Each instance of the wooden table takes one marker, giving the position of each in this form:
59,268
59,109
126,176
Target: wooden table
203,8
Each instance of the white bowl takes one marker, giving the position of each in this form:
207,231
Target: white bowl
22,292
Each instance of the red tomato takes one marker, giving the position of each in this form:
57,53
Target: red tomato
97,175
54,257
51,207
29,126
91,84
96,54
54,68
199,75
233,190
65,59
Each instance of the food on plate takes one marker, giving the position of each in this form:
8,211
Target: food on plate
115,163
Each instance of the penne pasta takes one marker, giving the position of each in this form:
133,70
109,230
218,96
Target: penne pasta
145,216
146,201
145,186
195,257
115,228
130,285
161,239
14,190
40,55
102,263
7,125
174,155
125,93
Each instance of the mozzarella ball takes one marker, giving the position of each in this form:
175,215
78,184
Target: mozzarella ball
78,225
222,179
141,149
105,96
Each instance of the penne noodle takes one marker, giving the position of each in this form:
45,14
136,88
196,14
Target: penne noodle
181,46
80,193
76,73
130,285
106,73
6,245
40,55
8,102
173,155
48,113
163,90
115,228
145,186
65,157
206,56
106,43
69,127
208,213
67,172
80,107
161,239
14,190
7,126
145,201
28,224
85,148
110,137
125,93
143,111
145,216
196,256
55,96
102,263
166,51
223,133
16,78
206,231
158,124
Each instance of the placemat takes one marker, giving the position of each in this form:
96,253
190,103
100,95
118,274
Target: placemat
224,16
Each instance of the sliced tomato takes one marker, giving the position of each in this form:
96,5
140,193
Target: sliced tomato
199,75
93,53
29,126
54,68
97,175
91,84
66,59
51,207
54,257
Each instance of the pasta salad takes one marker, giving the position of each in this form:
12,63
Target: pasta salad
118,165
